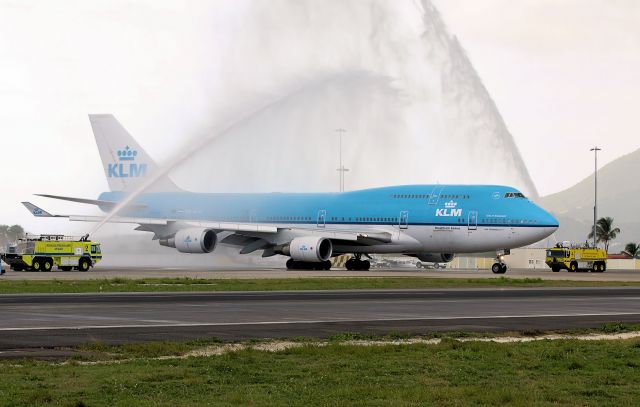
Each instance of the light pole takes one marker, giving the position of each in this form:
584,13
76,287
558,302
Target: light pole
595,199
341,170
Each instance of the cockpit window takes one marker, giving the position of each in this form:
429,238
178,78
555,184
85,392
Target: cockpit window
515,195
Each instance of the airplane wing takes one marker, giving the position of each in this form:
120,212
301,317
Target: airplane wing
163,227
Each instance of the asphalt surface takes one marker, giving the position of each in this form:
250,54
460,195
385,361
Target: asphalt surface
56,320
270,273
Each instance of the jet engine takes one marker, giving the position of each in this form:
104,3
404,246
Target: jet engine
192,240
309,248
436,257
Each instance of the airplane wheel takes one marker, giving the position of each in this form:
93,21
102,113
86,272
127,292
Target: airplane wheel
555,269
66,268
291,264
503,269
349,264
327,265
496,268
365,265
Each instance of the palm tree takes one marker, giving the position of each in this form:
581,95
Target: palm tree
605,232
633,249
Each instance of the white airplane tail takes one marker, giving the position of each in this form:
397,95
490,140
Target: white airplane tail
125,162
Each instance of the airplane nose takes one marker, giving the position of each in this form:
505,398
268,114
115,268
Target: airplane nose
549,221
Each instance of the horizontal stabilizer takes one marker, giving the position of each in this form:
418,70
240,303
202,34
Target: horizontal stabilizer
38,212
107,204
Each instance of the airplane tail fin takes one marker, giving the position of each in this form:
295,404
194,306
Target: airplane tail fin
125,162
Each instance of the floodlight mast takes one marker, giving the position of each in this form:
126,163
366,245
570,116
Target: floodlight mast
595,198
341,170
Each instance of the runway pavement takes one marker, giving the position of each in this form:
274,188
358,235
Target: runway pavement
251,273
53,320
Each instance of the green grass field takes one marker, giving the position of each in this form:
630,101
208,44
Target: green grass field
554,373
329,283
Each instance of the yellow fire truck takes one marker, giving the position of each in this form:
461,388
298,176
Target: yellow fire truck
576,258
42,253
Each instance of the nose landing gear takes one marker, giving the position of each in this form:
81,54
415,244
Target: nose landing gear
500,267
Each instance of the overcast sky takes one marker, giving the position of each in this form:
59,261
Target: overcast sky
565,74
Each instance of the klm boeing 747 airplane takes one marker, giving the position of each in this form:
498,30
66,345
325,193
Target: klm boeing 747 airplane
430,222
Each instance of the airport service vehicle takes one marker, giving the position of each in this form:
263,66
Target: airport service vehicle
43,252
429,222
576,258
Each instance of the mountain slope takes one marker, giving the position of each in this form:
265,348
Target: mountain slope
618,197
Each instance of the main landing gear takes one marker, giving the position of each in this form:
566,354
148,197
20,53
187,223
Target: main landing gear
357,264
308,265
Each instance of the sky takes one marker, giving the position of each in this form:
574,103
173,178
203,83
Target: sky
563,73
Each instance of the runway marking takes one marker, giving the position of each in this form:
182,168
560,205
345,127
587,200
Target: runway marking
184,325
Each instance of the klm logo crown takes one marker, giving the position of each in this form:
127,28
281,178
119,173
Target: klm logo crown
450,205
127,154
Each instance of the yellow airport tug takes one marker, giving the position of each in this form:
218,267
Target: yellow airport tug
43,252
576,258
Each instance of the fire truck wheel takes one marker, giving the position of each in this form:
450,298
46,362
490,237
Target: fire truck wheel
573,267
83,265
36,265
47,264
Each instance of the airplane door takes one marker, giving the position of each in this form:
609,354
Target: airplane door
404,220
435,195
473,220
322,216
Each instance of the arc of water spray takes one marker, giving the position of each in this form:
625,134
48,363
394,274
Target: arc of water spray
179,158
173,163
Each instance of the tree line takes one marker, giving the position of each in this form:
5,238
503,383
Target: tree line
10,234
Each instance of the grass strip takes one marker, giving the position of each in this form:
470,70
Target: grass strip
285,284
561,372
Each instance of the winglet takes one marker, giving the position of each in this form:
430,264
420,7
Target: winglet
37,212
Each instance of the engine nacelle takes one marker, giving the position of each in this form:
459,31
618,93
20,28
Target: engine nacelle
192,240
436,257
309,248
